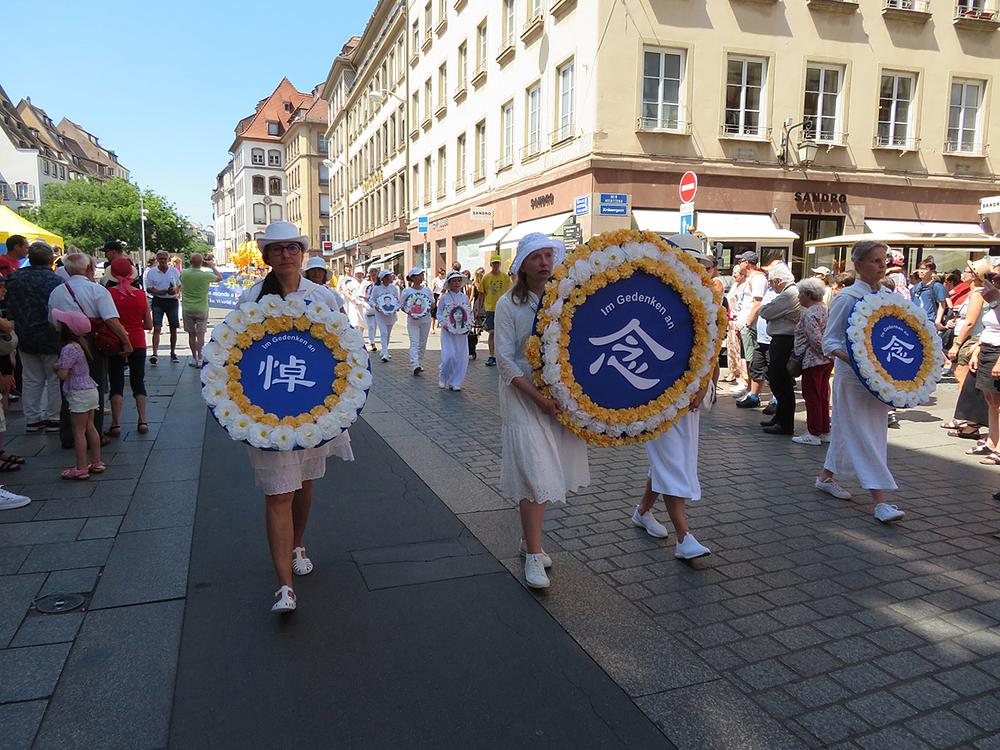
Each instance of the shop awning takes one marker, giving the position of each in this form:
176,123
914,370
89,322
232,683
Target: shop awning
12,222
928,228
655,220
546,225
382,259
977,241
726,227
494,237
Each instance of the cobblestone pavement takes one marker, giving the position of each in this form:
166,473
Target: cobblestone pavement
851,633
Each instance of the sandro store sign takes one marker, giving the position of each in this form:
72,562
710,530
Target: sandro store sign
808,197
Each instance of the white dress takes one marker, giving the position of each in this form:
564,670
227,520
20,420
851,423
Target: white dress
859,427
541,459
278,472
385,322
417,328
454,346
673,459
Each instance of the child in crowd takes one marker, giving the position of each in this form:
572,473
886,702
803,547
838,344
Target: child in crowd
417,301
452,305
73,368
542,460
384,297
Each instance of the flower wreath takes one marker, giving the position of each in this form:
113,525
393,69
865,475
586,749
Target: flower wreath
604,259
867,312
248,422
453,323
386,302
419,305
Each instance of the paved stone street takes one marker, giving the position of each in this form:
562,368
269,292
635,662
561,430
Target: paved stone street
811,625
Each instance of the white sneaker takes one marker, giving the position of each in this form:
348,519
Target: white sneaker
832,488
825,437
885,512
10,500
534,572
738,391
456,387
441,384
689,548
648,522
546,560
807,438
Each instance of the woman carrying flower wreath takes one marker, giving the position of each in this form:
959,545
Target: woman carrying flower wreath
416,301
541,459
287,476
859,426
454,345
385,317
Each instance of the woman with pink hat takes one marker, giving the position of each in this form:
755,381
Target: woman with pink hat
136,318
73,369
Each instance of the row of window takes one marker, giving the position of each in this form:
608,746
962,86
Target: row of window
55,170
375,210
293,148
663,105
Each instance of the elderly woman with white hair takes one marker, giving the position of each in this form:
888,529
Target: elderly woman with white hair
781,313
541,460
859,434
816,366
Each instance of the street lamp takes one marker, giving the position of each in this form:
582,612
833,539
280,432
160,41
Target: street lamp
805,150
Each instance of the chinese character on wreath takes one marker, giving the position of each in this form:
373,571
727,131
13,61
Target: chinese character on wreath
291,374
898,349
630,366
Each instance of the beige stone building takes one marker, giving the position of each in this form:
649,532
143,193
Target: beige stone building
802,120
307,177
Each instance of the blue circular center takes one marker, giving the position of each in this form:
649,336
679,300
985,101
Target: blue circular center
288,373
630,341
897,347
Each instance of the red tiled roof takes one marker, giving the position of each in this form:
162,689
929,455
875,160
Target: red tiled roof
271,109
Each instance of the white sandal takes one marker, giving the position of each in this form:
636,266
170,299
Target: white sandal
301,565
285,600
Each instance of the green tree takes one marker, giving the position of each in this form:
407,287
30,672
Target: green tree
88,214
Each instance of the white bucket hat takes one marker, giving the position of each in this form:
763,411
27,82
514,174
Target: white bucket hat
454,275
318,263
383,273
415,272
537,241
282,231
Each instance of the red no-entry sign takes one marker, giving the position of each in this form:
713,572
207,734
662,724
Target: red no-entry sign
688,187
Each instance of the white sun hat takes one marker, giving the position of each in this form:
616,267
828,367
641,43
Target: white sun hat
534,241
282,231
415,272
454,275
318,263
383,273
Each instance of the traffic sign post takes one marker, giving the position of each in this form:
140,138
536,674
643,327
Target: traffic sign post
688,187
422,225
687,217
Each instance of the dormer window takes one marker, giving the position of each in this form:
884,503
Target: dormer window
288,106
273,127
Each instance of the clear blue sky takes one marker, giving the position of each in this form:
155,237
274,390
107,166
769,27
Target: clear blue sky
163,85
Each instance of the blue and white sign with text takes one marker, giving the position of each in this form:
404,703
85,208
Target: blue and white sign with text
581,206
613,204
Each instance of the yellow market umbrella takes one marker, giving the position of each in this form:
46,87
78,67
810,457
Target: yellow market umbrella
13,223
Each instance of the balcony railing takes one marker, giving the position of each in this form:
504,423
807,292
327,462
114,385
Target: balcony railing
506,49
918,11
564,133
557,7
663,125
460,183
837,6
505,162
480,174
958,148
479,74
533,149
895,143
460,91
744,132
442,107
970,14
532,28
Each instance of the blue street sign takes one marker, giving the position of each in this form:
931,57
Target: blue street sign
613,204
422,224
581,206
687,217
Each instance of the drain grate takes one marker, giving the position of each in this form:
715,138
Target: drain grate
55,604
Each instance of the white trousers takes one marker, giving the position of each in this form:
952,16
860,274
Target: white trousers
370,321
385,323
40,387
418,331
454,358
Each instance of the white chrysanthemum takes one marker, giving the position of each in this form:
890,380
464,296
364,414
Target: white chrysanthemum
213,393
237,320
864,308
635,428
224,336
649,250
616,256
616,430
253,312
360,378
317,312
271,305
344,414
308,435
259,435
329,425
581,271
556,308
566,287
632,250
283,438
551,373
239,427
357,359
560,392
225,410
670,412
551,334
214,353
213,374
571,405
599,260
295,307
353,397
338,323
352,341
598,427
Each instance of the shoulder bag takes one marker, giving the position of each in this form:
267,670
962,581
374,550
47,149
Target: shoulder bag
102,337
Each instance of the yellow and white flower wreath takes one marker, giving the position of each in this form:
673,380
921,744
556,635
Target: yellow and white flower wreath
248,422
899,393
603,260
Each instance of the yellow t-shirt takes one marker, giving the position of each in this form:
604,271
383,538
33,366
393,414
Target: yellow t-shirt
492,287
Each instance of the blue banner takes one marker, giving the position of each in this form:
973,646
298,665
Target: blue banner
226,293
630,341
288,373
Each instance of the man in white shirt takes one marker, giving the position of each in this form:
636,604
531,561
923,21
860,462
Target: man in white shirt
79,294
754,289
163,285
437,289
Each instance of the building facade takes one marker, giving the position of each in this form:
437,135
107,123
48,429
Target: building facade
801,120
224,214
72,162
307,175
88,146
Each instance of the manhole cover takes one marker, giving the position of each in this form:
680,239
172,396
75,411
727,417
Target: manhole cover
58,603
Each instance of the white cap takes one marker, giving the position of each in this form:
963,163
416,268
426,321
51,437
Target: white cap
537,241
415,272
455,275
383,273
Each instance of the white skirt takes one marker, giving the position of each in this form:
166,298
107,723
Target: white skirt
859,433
541,461
356,315
278,472
673,459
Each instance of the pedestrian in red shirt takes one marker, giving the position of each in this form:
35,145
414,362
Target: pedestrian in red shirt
17,251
